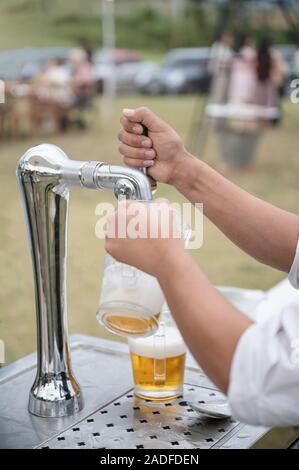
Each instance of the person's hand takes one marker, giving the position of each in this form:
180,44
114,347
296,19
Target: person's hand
144,235
162,152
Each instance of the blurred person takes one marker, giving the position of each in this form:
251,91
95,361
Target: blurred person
296,62
86,46
2,121
4,112
14,111
57,80
271,73
256,364
220,67
6,84
38,106
53,96
243,72
83,82
20,93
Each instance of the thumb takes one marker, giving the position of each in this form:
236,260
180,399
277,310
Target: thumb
146,117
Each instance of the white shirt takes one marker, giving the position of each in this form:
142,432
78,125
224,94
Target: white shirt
220,56
264,376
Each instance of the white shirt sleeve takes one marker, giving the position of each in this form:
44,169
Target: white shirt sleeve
264,376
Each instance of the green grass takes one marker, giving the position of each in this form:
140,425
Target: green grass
275,179
23,23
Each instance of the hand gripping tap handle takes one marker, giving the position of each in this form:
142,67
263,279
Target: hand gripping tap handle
153,182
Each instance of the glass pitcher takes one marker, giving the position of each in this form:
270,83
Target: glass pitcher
130,301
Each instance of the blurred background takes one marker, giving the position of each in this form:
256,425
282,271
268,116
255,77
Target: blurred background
221,72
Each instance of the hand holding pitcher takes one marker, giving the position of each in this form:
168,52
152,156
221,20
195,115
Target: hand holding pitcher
131,298
152,233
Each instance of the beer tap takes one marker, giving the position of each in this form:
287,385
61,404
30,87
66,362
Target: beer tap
46,175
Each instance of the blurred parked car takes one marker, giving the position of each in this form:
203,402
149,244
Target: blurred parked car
123,66
184,70
28,62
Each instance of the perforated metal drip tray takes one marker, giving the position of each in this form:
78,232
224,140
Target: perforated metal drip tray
113,418
130,423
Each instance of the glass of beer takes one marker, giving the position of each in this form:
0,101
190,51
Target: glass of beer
130,301
158,362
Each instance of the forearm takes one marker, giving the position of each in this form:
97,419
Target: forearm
265,232
211,326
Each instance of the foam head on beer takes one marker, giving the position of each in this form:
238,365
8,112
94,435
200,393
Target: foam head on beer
158,364
173,346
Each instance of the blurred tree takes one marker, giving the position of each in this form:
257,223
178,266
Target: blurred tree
286,8
177,9
46,5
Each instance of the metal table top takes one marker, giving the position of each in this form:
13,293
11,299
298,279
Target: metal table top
112,417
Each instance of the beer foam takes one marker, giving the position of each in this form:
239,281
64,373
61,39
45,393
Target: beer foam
155,347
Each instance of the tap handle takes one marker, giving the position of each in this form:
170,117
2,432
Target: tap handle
145,130
152,181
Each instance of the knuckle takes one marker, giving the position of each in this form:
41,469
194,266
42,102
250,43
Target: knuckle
133,153
128,127
131,162
125,123
141,153
121,149
136,140
128,161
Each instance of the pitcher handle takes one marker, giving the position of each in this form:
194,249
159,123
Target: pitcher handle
160,349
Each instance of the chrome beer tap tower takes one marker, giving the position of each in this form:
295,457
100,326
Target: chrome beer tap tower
46,175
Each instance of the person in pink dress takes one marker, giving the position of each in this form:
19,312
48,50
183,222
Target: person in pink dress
83,84
243,73
271,72
83,78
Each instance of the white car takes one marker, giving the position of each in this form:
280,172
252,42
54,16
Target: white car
122,66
